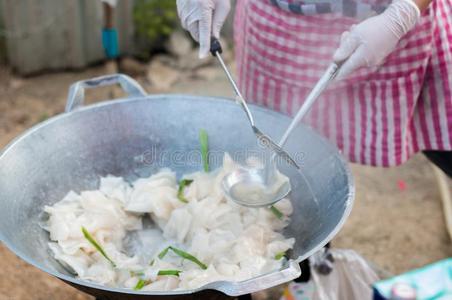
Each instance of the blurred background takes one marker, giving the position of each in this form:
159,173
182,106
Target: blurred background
45,46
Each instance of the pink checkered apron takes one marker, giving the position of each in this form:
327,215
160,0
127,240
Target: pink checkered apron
376,117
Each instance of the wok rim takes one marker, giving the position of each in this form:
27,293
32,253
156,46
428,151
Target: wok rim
212,285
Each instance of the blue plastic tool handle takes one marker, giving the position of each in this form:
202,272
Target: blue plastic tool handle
110,42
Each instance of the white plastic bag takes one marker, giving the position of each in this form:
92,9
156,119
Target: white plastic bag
351,278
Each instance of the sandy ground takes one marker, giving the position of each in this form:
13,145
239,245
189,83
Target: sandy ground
397,229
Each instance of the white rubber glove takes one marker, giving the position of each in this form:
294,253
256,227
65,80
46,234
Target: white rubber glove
110,2
203,18
368,43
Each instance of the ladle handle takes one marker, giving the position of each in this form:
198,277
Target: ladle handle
320,86
76,95
216,50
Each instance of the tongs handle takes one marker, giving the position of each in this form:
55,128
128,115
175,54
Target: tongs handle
215,46
216,50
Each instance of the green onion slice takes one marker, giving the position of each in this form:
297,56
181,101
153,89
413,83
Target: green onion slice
163,253
184,255
280,255
277,212
136,273
204,141
180,192
96,245
169,273
140,284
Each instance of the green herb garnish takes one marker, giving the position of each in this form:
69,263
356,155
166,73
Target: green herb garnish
164,252
169,273
184,255
180,192
277,212
136,273
140,284
96,245
280,255
204,141
160,273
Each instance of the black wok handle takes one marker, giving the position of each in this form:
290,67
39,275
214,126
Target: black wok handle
215,46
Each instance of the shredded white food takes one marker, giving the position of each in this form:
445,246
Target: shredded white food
234,243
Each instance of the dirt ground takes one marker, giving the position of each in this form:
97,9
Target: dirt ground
396,227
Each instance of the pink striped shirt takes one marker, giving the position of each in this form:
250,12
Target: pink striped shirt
376,117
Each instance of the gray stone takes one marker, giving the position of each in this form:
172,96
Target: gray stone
132,67
179,44
191,61
16,83
161,75
208,73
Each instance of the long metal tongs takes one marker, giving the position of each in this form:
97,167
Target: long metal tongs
216,50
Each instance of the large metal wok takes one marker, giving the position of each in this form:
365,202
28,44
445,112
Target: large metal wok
134,137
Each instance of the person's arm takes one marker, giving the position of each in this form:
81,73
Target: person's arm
422,4
368,43
203,19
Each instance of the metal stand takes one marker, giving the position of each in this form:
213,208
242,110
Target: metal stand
245,297
306,267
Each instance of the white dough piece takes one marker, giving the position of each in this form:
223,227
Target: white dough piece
178,225
234,242
116,188
156,195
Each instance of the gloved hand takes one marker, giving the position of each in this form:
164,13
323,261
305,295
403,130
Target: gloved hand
368,43
203,18
110,2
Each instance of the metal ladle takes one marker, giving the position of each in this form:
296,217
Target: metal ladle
252,186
